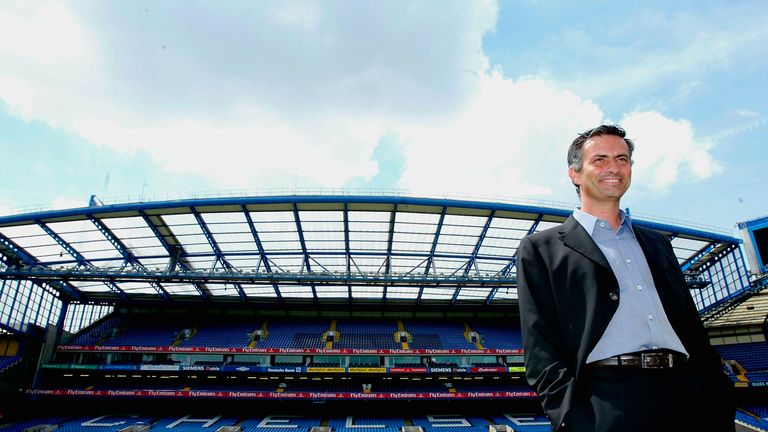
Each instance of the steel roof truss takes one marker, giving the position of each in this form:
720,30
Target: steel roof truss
175,252
439,228
303,243
696,257
508,268
217,250
81,260
348,257
262,253
12,252
128,257
390,239
481,238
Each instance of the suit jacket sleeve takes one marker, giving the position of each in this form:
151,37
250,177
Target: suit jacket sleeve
546,366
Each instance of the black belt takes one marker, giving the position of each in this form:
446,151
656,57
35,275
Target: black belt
644,360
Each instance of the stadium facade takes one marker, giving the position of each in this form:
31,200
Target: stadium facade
378,299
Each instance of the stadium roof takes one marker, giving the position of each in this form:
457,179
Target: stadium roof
293,249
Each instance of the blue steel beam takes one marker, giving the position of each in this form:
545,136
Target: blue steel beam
81,260
390,239
479,243
348,257
421,255
475,251
435,240
697,256
7,246
508,268
262,253
431,255
717,258
172,250
303,244
325,278
127,255
217,250
325,199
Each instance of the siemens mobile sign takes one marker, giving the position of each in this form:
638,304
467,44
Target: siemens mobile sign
755,235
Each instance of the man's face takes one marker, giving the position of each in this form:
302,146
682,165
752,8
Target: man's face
606,170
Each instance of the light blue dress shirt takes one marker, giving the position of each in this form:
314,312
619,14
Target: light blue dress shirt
639,323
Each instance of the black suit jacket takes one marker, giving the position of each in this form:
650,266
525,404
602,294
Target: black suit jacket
568,295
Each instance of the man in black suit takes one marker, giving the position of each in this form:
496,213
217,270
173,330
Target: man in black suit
612,338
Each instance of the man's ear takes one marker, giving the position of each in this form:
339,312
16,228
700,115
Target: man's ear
574,176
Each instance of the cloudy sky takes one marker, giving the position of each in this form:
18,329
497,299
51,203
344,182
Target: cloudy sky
432,98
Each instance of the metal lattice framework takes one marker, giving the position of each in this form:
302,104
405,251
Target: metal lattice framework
295,249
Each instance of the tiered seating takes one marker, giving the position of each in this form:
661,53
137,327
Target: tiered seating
438,335
94,334
152,333
295,334
6,362
194,424
112,424
366,334
753,356
751,420
23,425
525,423
294,423
499,336
760,411
358,424
224,335
451,423
280,423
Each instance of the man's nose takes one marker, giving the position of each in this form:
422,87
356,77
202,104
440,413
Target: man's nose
613,166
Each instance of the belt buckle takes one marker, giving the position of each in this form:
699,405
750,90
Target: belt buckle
655,360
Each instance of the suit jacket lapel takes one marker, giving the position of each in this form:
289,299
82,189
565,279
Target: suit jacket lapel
577,238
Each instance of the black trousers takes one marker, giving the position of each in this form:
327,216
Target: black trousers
652,400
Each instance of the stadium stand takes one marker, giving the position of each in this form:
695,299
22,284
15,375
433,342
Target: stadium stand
437,335
366,334
264,315
746,362
751,420
498,336
306,333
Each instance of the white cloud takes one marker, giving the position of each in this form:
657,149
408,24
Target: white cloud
667,149
245,94
510,140
303,89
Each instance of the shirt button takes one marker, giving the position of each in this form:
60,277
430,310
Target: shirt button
613,296
640,287
628,260
602,224
650,317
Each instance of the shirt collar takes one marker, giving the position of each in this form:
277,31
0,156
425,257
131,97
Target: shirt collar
589,221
